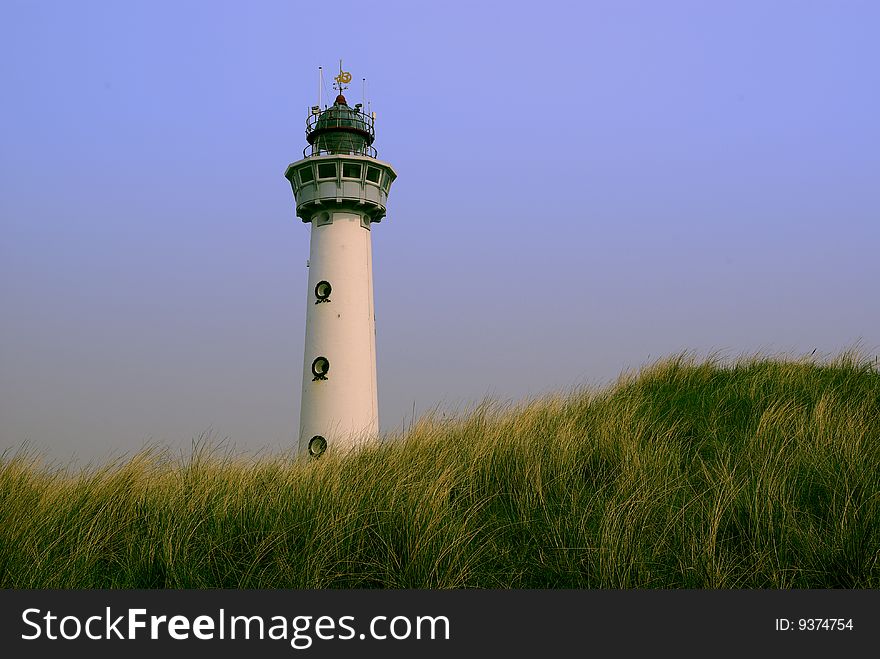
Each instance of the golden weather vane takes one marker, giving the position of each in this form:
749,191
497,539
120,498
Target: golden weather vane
342,79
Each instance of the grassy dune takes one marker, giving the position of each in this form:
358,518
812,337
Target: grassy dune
754,474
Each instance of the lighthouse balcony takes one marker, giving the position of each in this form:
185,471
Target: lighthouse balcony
336,180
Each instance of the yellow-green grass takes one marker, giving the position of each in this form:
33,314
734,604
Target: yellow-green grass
758,473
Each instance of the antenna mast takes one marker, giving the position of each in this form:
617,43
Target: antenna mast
342,79
320,85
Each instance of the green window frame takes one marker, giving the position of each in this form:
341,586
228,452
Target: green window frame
374,175
351,170
326,170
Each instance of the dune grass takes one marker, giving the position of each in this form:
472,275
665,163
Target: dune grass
758,473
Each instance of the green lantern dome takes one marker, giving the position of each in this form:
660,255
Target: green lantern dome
341,129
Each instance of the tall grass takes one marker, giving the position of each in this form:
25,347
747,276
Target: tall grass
759,473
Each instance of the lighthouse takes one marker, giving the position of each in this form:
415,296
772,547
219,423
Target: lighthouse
341,191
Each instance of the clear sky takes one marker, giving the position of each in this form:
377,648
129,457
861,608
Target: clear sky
583,188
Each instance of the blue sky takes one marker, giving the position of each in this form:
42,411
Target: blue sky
583,188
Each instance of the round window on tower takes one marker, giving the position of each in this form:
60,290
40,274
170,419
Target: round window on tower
322,291
317,445
320,367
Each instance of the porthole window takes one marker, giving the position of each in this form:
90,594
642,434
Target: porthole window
351,170
317,445
327,170
306,175
322,218
373,174
322,291
320,368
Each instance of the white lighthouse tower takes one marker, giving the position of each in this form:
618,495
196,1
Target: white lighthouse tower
341,189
